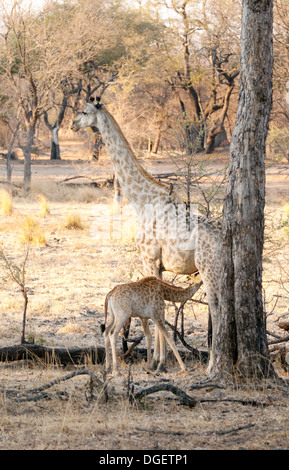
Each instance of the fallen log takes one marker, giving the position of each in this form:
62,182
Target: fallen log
55,355
77,355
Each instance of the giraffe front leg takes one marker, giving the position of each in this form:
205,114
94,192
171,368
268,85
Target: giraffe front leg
158,362
148,336
156,355
162,352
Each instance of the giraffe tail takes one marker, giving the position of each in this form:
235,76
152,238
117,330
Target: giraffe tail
102,326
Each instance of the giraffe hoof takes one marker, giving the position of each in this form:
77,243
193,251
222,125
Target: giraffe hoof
152,365
161,369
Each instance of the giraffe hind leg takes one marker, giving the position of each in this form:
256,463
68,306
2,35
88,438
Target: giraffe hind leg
107,343
120,318
113,337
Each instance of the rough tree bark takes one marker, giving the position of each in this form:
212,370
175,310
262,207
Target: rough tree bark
241,332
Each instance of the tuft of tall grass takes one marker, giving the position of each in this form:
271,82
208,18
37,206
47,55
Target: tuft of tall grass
73,222
44,208
6,205
32,233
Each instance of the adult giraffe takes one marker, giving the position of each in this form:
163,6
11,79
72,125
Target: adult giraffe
167,240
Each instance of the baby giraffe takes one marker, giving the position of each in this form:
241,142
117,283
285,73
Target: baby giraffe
143,299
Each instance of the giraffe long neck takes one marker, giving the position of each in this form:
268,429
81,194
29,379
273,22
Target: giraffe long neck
137,185
178,294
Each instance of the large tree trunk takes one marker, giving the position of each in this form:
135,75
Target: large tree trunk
241,333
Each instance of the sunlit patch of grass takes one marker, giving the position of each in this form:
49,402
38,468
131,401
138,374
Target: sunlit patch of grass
69,329
32,233
6,205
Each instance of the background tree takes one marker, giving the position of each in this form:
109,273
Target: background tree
279,134
203,77
16,67
41,51
87,68
141,94
173,64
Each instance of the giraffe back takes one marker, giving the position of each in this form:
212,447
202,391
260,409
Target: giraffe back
150,288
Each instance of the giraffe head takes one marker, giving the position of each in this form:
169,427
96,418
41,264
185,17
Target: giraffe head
88,117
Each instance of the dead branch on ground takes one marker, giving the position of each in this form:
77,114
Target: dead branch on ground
39,393
182,396
195,433
185,399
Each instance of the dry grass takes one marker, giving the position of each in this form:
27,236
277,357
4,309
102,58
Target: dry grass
44,207
67,280
73,222
83,421
32,233
55,192
6,205
70,328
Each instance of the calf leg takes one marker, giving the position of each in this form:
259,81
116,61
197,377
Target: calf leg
107,344
162,351
148,336
113,338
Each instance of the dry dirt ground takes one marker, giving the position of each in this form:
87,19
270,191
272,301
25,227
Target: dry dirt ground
67,280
